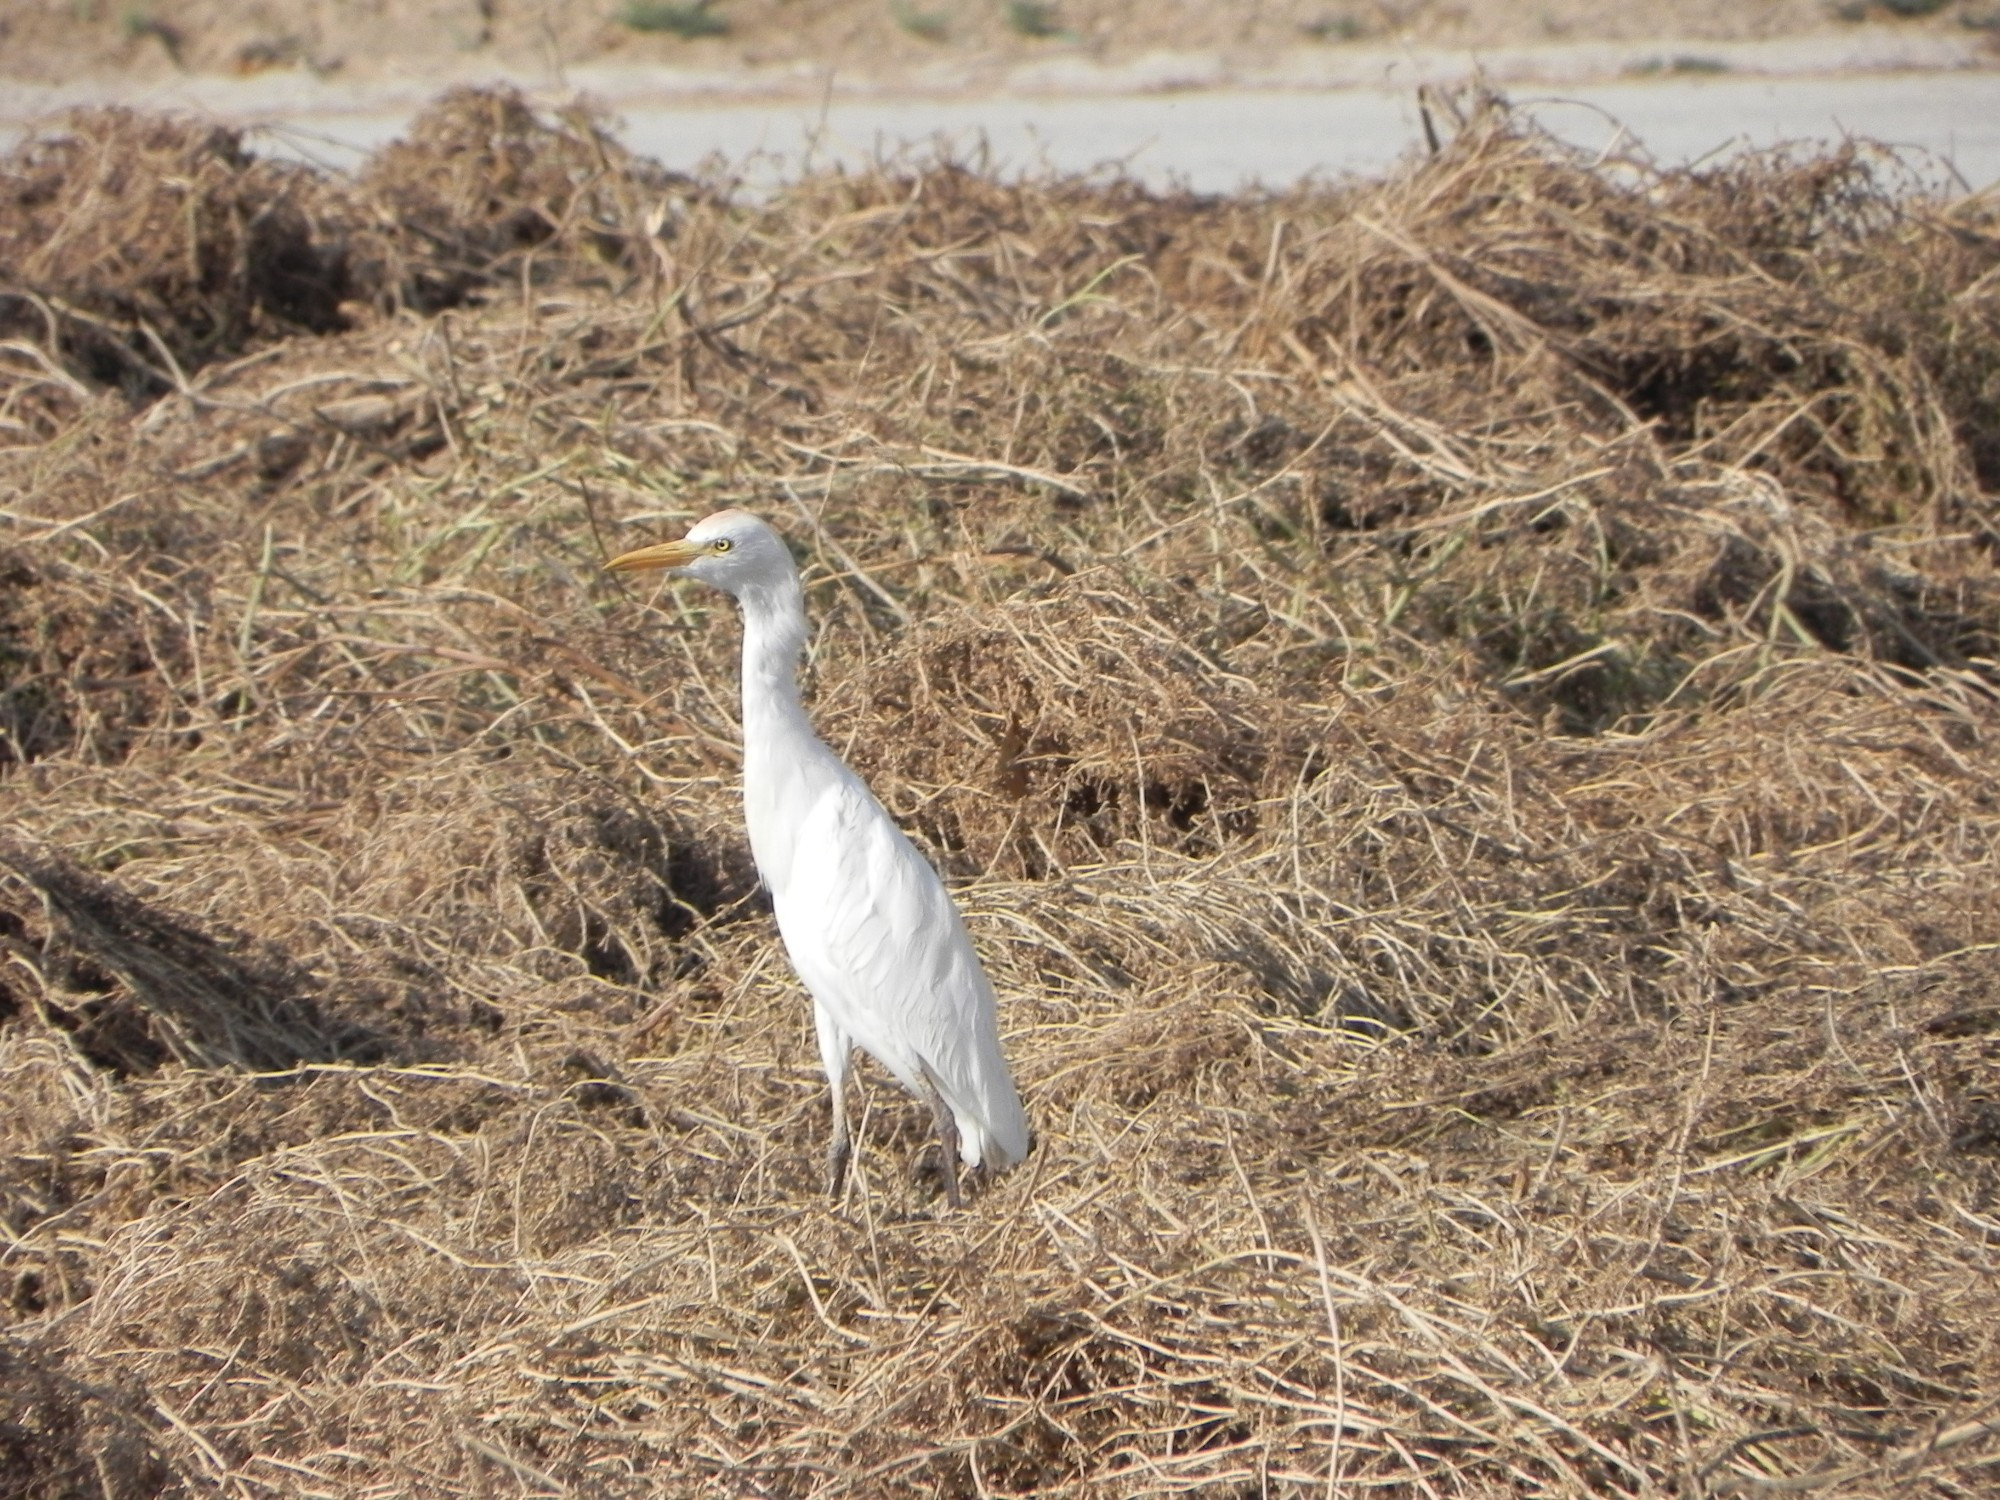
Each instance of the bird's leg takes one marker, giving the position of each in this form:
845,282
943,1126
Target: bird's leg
838,1150
836,1051
947,1130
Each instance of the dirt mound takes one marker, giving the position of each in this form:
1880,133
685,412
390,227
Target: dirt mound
58,1437
1461,711
1051,732
484,186
141,248
203,1000
144,246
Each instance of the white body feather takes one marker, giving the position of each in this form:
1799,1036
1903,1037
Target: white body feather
869,926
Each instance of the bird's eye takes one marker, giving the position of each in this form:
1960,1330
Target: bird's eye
722,544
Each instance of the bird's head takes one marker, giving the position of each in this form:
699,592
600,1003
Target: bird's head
731,549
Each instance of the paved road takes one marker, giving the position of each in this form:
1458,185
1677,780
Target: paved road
1218,140
1212,139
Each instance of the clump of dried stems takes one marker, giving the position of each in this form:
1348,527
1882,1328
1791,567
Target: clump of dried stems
1461,711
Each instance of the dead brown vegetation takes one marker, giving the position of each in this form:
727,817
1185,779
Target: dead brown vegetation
139,246
1462,710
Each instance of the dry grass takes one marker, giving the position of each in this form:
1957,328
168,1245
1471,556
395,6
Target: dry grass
1461,709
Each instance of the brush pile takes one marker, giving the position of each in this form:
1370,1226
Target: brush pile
1461,711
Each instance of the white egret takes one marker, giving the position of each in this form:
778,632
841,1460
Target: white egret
868,924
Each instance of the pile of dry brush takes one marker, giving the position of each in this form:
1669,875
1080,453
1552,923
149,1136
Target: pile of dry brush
1462,711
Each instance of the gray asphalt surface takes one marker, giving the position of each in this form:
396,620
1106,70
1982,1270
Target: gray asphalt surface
1210,139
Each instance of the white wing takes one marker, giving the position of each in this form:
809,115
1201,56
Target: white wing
877,940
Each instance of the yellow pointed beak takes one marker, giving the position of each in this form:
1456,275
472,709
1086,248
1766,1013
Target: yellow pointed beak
662,555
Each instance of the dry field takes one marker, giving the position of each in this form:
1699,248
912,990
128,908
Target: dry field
1461,710
883,40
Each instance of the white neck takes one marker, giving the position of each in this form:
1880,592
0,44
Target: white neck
785,764
774,633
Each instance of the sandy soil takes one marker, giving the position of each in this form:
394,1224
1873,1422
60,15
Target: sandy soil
868,42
